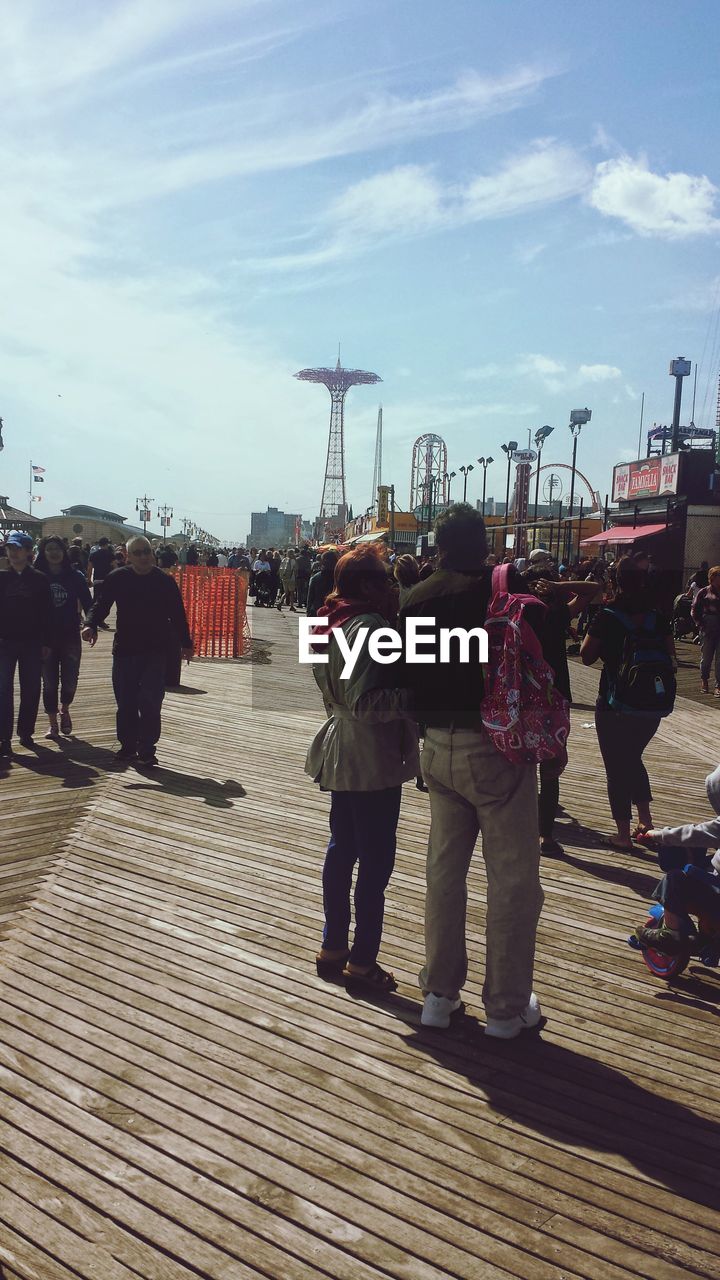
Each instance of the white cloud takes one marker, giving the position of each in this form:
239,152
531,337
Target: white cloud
410,200
555,375
543,366
674,206
599,372
545,174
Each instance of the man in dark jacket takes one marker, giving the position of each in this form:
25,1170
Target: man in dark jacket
149,610
303,567
101,563
473,790
25,620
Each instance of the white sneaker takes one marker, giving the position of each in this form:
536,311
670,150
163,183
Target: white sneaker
437,1009
509,1028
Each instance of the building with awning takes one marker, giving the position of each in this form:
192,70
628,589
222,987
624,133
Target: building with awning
668,506
624,535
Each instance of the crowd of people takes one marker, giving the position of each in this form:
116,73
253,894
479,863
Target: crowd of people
46,593
368,747
59,594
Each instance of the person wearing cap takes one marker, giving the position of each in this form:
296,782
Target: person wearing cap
25,626
539,557
150,612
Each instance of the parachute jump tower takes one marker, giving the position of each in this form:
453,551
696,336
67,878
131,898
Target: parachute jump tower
333,507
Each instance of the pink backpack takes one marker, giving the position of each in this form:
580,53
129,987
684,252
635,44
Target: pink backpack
526,717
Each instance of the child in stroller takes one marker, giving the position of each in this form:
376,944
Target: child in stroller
690,888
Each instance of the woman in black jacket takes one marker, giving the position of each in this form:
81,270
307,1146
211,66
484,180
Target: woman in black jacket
70,594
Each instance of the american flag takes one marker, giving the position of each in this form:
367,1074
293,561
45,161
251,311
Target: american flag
38,471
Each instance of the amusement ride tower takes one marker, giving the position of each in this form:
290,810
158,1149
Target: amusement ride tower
333,507
427,477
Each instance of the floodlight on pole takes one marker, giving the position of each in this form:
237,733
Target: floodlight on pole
466,472
509,450
679,369
484,463
578,419
448,477
541,436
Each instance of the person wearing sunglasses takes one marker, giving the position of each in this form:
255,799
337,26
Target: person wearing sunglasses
150,614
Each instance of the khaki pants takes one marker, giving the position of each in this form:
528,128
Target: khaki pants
474,789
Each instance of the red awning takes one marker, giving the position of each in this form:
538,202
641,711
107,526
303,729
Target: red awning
624,533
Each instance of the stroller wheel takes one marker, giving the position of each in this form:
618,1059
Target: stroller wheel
662,965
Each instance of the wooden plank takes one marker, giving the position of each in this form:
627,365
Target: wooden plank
178,1089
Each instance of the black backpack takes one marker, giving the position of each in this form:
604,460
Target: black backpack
644,683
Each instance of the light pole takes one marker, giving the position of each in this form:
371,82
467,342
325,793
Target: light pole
541,436
679,369
466,472
484,463
508,449
448,477
578,418
143,506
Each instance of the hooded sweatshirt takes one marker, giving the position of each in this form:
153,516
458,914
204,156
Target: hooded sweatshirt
700,834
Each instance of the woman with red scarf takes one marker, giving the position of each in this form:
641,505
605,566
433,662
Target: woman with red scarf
364,752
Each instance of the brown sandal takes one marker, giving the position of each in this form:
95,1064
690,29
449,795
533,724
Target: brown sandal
331,969
376,979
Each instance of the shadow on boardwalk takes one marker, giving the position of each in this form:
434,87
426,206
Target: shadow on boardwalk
568,1097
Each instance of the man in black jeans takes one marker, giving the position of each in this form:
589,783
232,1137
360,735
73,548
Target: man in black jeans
25,619
101,562
149,611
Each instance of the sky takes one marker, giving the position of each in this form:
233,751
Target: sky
505,209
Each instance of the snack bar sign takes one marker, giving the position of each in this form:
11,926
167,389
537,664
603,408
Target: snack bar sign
648,478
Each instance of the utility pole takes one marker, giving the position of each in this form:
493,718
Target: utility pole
142,505
392,515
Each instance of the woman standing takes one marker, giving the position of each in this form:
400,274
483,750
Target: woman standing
288,578
362,755
70,593
638,653
706,616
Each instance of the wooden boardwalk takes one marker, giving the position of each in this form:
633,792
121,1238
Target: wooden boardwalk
180,1096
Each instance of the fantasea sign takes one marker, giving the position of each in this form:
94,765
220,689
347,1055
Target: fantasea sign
647,478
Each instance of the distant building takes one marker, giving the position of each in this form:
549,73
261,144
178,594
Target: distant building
273,528
368,528
90,524
14,518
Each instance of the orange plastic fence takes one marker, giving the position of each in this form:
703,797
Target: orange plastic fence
216,605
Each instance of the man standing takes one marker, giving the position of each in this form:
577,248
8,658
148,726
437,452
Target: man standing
149,611
25,623
101,564
304,565
473,790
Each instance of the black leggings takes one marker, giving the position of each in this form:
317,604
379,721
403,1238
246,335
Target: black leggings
548,798
622,739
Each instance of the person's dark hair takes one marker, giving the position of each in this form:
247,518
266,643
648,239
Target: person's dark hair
406,570
354,572
631,583
41,563
103,542
460,538
426,571
329,559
